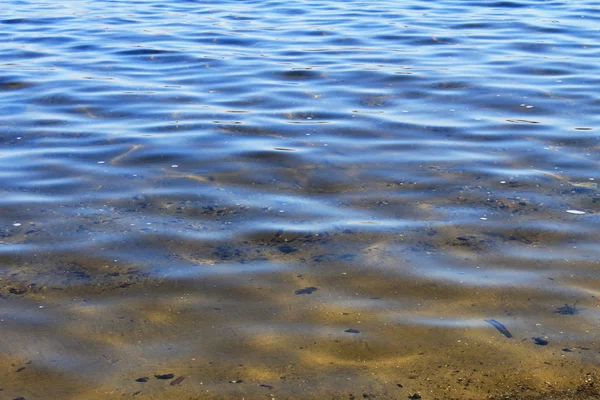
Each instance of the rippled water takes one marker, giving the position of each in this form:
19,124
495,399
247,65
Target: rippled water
312,199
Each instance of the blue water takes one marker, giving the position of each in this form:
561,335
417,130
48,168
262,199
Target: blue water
175,174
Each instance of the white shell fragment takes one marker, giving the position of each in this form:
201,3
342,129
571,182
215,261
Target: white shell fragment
576,212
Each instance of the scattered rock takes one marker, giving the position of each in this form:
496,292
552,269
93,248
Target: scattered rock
142,379
351,331
308,290
164,376
540,341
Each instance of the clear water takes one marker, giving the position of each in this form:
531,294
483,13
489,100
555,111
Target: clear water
312,199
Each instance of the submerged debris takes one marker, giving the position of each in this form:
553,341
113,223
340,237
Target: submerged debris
567,309
501,328
177,381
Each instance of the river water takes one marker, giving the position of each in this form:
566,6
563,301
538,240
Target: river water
316,199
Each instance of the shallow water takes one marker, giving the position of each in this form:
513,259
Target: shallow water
313,199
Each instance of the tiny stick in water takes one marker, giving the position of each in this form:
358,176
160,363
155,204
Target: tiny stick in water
499,326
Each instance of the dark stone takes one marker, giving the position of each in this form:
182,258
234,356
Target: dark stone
308,290
164,376
540,341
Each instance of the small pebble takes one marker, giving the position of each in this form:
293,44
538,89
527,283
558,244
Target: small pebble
567,350
308,290
576,212
540,341
16,224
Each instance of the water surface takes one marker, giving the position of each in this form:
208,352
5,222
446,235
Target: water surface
312,199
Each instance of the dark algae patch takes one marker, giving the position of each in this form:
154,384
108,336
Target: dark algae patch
501,328
17,291
286,249
567,310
